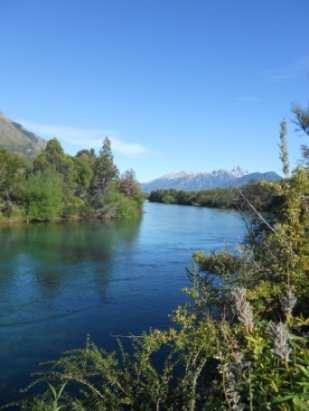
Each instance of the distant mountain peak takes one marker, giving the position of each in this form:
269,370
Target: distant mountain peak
235,172
220,178
238,172
175,175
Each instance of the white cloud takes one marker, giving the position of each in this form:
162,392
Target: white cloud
86,138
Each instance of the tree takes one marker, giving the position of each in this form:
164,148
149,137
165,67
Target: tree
89,154
128,184
84,171
105,172
283,146
53,158
302,118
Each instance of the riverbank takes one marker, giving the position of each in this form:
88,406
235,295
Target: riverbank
264,195
132,210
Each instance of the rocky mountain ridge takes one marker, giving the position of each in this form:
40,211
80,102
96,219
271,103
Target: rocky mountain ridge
208,180
16,139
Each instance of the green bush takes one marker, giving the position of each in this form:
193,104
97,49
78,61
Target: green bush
125,208
43,196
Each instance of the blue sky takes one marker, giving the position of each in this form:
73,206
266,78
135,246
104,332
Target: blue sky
189,85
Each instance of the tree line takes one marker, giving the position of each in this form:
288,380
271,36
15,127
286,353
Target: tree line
57,186
264,195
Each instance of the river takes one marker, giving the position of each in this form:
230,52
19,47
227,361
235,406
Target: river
60,282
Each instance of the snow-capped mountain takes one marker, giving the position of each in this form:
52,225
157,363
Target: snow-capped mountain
207,180
238,172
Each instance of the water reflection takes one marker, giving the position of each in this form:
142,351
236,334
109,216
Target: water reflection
45,254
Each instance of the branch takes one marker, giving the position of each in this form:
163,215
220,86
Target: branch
126,336
256,212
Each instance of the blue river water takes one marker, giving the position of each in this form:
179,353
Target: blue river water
61,282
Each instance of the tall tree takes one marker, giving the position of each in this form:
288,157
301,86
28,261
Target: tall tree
53,158
128,184
105,171
84,162
284,155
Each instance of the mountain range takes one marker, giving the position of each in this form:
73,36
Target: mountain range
207,180
16,139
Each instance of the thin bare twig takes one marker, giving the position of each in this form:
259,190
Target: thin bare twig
126,336
256,212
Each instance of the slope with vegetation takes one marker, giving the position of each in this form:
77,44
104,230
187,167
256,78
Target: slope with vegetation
16,139
239,345
56,186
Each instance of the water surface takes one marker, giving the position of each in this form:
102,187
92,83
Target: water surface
59,283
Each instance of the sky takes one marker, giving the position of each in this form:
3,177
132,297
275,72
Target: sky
189,85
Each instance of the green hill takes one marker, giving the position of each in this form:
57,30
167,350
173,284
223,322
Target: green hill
14,138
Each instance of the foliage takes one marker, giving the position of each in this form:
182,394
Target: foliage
105,171
59,186
43,196
302,120
129,186
264,195
240,344
116,205
13,170
284,156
